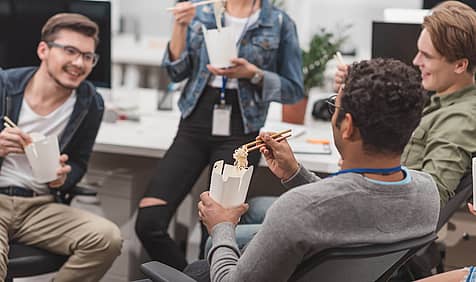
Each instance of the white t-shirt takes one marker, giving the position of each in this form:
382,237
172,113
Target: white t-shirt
15,169
238,25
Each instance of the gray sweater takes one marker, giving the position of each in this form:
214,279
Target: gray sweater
336,211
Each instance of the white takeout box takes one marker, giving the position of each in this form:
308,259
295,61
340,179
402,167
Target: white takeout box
43,155
229,184
221,46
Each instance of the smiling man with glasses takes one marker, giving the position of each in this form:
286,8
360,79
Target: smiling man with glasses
54,99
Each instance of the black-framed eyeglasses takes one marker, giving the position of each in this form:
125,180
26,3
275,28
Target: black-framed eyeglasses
74,53
331,104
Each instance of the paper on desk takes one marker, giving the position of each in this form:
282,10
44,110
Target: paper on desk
302,147
229,185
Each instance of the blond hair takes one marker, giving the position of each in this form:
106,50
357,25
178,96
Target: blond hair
452,28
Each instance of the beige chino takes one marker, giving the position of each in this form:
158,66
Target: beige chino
91,242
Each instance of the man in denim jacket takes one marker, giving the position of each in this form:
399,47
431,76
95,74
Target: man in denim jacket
54,99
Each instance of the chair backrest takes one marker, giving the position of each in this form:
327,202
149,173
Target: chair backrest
360,264
462,194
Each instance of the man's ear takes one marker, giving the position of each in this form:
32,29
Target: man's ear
348,129
461,66
42,50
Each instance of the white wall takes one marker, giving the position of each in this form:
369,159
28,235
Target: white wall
151,15
311,15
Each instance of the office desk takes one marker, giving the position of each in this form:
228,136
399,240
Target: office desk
125,157
153,135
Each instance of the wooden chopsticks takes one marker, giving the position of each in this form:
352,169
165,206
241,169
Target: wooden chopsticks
257,144
8,122
339,59
196,4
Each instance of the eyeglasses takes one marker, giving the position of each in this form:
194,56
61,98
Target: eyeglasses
74,53
331,104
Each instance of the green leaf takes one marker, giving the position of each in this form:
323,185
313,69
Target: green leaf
322,48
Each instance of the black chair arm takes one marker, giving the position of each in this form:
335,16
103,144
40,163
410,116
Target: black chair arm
66,197
462,193
160,272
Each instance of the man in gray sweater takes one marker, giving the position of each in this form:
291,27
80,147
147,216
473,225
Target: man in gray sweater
371,200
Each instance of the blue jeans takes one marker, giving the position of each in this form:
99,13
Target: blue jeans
250,222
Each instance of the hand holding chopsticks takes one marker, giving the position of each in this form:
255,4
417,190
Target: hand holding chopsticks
196,4
279,156
258,143
20,137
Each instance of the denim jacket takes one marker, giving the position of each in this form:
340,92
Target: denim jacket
78,137
271,44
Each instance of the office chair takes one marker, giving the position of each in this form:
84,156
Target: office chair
25,261
462,193
422,264
358,264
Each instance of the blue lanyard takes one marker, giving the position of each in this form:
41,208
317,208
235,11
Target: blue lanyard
369,170
471,274
222,91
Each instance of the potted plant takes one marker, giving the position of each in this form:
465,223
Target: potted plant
321,49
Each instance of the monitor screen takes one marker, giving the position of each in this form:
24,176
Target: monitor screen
20,28
429,4
395,40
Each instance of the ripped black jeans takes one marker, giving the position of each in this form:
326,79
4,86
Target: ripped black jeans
192,150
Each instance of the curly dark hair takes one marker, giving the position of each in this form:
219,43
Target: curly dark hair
385,99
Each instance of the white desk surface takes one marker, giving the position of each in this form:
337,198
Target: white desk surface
153,135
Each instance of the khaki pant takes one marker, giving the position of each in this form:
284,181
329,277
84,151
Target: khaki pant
91,242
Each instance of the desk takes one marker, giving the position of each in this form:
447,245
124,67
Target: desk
125,157
153,135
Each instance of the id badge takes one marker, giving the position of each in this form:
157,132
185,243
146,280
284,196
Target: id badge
221,120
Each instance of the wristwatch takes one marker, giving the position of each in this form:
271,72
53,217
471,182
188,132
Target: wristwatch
257,77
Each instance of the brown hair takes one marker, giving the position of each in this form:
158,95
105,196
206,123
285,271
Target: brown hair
71,21
452,27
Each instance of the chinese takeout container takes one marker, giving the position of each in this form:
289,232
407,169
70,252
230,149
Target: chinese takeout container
229,184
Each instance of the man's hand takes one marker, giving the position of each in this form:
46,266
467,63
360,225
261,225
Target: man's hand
340,76
471,209
12,141
62,172
184,13
211,213
241,69
279,157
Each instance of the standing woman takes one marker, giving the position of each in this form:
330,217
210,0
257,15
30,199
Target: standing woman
268,68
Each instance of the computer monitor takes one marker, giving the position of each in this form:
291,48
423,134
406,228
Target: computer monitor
428,4
20,32
395,40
